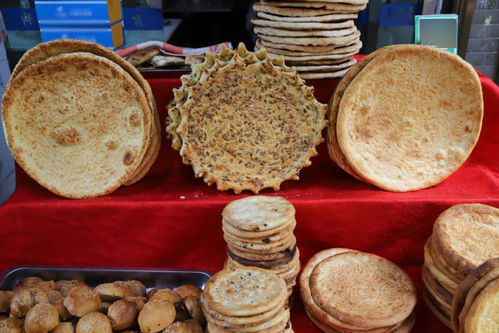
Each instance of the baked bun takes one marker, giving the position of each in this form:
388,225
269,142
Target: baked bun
156,316
25,298
94,322
41,318
122,314
82,300
64,327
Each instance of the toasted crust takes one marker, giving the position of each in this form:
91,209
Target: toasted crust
255,235
467,235
354,46
435,310
303,29
472,295
240,157
324,4
465,286
339,285
284,12
49,123
444,266
323,18
443,298
265,262
244,291
435,272
323,75
386,99
483,316
320,41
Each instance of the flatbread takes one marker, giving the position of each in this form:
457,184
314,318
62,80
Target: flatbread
91,108
323,18
316,57
467,235
239,96
295,26
341,40
259,212
343,31
435,272
323,75
339,284
318,5
483,316
306,12
258,235
436,290
355,45
244,292
435,310
385,127
325,68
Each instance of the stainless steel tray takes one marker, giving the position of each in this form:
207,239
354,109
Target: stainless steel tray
151,278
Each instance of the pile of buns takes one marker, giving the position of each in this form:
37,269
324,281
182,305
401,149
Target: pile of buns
459,255
259,232
318,37
79,119
405,117
245,121
246,299
345,290
68,306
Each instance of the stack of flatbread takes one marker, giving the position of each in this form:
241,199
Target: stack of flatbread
464,238
319,37
259,232
345,290
245,121
405,117
246,299
79,119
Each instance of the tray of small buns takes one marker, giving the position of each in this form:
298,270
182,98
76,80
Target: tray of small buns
49,299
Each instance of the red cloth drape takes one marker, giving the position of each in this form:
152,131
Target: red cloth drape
172,220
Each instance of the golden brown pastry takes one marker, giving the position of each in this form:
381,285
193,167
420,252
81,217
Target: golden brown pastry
5,297
113,291
138,288
64,327
64,286
178,327
56,299
10,325
194,325
165,294
24,298
30,281
41,318
94,322
194,307
104,307
139,301
82,300
122,314
188,290
156,316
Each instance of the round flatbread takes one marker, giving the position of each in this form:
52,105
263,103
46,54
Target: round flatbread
244,292
340,40
467,235
325,68
299,26
306,12
259,212
434,309
317,5
437,274
438,292
221,112
401,132
304,29
483,316
340,285
310,19
84,134
323,75
319,61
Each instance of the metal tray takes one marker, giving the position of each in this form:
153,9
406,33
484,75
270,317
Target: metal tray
151,278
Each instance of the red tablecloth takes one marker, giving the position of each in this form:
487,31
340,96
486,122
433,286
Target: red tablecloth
171,219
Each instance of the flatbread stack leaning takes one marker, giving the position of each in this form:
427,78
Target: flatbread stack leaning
461,257
259,232
246,299
345,290
79,119
318,37
405,117
245,121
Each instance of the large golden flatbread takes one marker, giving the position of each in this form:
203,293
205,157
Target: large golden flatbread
467,235
323,18
247,122
77,123
46,50
410,118
483,316
286,11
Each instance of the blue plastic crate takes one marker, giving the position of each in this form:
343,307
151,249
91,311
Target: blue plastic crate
101,35
78,13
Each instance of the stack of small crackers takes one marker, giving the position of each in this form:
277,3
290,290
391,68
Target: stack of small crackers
345,290
259,232
246,299
464,237
318,37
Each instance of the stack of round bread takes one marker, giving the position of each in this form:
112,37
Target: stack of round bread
345,290
259,232
405,117
475,307
246,299
79,119
318,37
464,237
245,121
